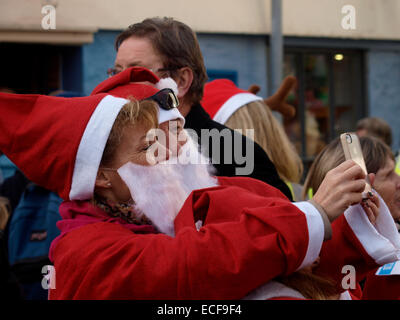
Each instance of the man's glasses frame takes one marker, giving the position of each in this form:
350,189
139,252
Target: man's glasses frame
113,71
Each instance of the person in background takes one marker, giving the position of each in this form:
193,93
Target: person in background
244,111
379,160
170,49
129,226
10,288
376,127
379,128
13,187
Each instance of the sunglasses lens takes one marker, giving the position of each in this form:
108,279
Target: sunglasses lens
166,99
172,100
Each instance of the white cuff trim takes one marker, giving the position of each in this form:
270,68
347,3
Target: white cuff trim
382,241
316,232
345,296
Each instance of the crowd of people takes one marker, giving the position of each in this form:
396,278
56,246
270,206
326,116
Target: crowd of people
155,207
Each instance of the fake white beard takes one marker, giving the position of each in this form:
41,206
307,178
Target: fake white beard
159,191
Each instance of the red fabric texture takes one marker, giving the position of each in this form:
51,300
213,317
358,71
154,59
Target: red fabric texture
46,129
76,214
216,93
343,249
248,238
129,82
385,287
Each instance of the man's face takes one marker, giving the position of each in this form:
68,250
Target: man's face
137,52
387,183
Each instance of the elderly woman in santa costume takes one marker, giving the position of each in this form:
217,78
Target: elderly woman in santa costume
128,232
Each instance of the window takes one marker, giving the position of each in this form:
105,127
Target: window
40,68
328,97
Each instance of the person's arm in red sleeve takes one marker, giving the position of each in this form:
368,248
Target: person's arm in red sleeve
356,242
220,261
381,287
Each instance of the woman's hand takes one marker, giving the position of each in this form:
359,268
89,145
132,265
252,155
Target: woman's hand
371,204
371,207
341,188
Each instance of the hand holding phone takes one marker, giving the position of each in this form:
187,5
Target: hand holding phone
352,151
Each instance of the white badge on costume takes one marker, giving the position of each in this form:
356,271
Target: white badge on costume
389,269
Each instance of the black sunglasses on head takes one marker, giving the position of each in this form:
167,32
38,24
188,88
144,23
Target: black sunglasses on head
165,98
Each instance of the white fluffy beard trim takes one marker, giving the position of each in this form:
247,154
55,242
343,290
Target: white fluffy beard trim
196,169
155,193
159,191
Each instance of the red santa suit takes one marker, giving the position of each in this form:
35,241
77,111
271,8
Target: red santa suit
251,234
356,243
383,285
248,238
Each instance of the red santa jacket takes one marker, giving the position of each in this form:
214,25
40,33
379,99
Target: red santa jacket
381,287
251,234
356,245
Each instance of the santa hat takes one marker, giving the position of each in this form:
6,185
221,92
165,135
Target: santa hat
131,80
222,98
58,142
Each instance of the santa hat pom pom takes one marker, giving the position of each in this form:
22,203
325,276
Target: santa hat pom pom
167,83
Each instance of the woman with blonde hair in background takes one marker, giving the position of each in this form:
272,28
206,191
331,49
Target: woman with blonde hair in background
379,161
323,280
249,114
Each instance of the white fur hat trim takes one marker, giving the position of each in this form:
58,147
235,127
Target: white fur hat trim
167,83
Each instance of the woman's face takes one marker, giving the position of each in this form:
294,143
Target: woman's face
387,184
135,146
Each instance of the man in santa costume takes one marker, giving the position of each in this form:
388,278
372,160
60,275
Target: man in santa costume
182,234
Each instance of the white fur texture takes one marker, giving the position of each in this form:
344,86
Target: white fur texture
159,191
167,83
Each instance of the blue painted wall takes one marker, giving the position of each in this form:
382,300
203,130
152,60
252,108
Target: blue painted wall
97,57
244,54
245,58
383,80
247,55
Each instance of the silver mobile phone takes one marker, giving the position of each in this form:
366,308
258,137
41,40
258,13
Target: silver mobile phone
352,150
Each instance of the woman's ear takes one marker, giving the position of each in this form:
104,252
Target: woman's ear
102,180
184,81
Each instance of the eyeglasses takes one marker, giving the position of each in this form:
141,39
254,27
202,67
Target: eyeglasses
165,98
113,71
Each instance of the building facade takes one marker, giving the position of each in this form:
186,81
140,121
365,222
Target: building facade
346,59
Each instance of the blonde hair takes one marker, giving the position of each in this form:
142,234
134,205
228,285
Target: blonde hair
144,112
375,153
271,136
310,285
